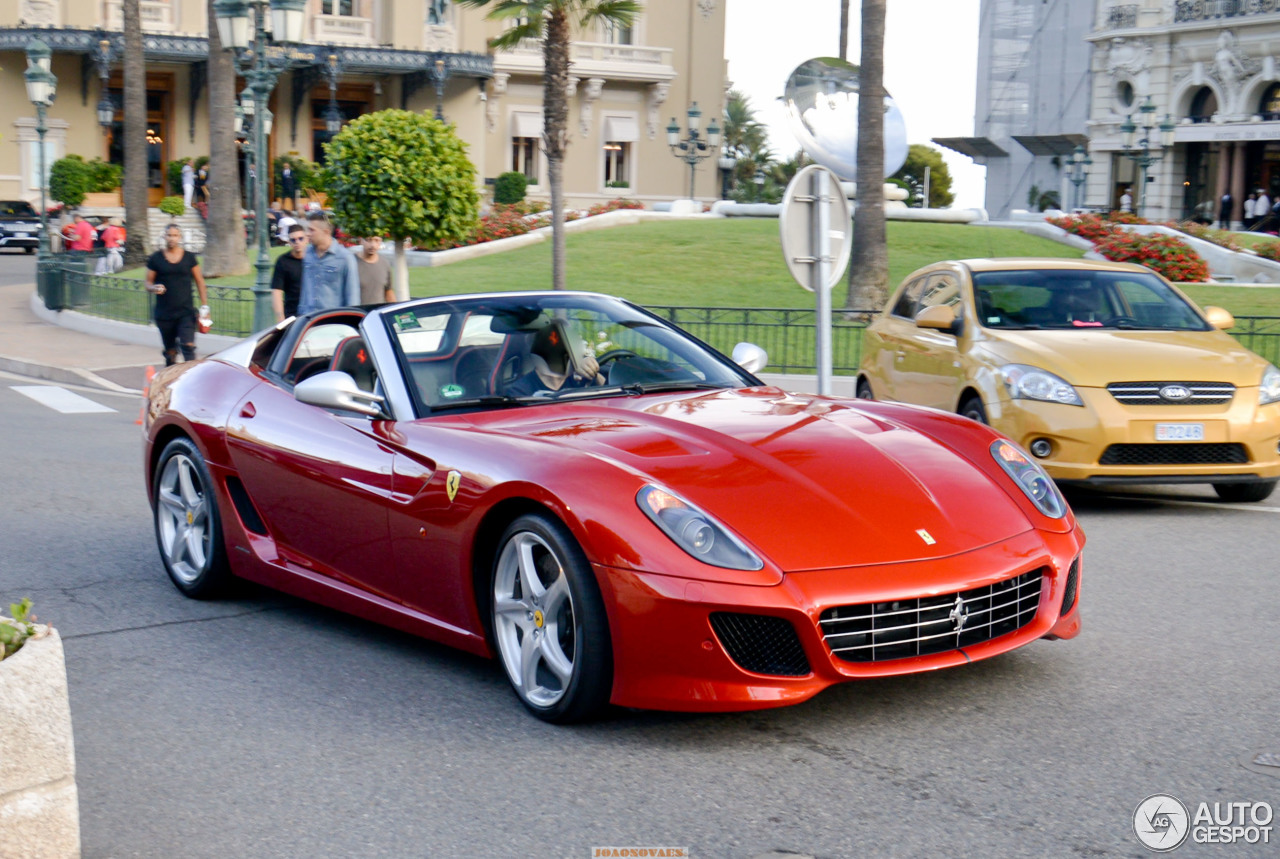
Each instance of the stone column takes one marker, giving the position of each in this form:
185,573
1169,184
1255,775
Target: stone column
1237,186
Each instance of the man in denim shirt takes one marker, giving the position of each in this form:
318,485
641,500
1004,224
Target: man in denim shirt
329,274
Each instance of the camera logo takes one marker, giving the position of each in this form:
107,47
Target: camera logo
1161,822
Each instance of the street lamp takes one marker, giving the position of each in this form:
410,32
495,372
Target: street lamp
333,117
1080,163
440,74
693,148
106,109
288,20
1142,156
42,88
726,164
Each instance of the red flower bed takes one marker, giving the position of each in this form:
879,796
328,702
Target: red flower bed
1166,255
1126,218
1208,234
1091,227
613,206
1268,250
504,221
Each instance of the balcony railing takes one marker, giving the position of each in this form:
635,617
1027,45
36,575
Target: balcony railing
157,16
344,29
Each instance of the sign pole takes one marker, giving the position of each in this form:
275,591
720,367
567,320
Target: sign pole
821,276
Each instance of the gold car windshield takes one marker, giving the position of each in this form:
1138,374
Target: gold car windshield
1062,299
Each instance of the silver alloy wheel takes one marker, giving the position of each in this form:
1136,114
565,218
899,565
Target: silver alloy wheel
182,519
533,619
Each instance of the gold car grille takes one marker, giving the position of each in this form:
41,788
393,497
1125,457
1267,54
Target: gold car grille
875,632
1150,393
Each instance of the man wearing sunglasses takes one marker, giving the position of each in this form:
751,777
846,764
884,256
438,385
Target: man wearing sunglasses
286,281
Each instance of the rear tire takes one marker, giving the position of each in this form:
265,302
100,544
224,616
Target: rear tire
973,409
864,390
188,524
549,623
1256,490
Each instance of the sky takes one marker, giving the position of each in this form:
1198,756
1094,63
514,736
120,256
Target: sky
931,61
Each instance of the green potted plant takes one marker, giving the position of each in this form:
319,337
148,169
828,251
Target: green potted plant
38,801
103,187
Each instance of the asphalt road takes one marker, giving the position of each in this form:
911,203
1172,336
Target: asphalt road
16,266
264,726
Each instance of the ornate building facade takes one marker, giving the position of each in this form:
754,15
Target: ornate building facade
361,56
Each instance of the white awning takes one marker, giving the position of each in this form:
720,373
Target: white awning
622,129
526,125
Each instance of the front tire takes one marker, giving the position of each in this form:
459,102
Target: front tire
1255,490
864,390
973,409
549,622
188,525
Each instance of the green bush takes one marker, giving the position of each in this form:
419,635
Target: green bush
69,180
173,170
15,630
104,176
509,188
172,206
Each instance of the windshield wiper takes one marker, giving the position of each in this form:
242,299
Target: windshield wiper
488,400
638,389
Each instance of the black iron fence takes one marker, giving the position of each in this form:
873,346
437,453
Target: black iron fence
787,334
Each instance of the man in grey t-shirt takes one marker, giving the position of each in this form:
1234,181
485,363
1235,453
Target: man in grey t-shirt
375,272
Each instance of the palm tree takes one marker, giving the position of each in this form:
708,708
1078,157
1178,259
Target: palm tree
224,250
135,136
550,21
745,139
844,29
869,266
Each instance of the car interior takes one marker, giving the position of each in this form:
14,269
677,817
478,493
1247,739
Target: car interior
1037,299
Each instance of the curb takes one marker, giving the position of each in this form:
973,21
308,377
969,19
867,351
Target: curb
62,375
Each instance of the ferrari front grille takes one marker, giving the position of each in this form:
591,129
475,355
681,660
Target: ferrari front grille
1175,453
1148,393
877,632
761,643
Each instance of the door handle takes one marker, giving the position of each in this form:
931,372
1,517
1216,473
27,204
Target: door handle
247,410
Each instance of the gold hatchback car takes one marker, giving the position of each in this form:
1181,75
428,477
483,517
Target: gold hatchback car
1104,371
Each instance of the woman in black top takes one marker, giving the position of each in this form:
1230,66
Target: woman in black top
169,275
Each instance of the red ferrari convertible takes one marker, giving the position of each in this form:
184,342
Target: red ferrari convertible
617,512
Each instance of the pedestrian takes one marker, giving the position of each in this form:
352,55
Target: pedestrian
81,235
375,273
329,274
286,280
202,183
1126,201
113,240
1249,219
288,186
1224,212
286,223
1262,207
188,183
170,272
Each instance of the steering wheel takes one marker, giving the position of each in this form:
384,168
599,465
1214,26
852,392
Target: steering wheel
613,355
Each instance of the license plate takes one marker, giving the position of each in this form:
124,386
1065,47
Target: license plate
25,231
1179,432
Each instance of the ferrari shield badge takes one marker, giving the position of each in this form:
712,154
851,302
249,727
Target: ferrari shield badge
923,534
451,484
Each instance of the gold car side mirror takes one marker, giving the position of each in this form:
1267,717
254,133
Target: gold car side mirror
940,316
1219,318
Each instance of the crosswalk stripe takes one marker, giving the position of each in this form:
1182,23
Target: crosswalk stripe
60,399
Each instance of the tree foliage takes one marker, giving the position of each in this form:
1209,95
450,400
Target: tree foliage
306,175
509,187
912,175
401,174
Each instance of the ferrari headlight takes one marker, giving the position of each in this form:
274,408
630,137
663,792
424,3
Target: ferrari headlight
1031,479
1269,391
694,531
1031,383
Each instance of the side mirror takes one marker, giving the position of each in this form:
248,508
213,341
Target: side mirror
939,316
750,357
337,390
1219,318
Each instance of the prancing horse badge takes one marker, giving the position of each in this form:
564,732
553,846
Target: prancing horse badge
451,484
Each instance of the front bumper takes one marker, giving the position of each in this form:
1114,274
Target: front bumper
19,241
668,656
1081,435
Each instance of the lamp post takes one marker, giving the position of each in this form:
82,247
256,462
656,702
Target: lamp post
439,74
693,148
1142,154
1080,164
106,110
726,164
333,117
42,88
288,18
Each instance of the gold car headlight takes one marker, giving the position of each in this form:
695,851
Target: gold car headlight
1269,390
1025,382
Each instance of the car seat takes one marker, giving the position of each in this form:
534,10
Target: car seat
352,357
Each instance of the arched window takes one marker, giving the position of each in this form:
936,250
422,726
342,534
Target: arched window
1270,105
1203,106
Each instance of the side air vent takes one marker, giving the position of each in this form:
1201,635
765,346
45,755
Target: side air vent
244,507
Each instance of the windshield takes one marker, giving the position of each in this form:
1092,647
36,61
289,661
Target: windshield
498,351
1063,299
17,208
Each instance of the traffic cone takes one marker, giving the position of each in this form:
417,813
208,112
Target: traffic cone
146,393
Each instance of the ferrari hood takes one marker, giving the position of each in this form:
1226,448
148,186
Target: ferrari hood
810,483
1095,358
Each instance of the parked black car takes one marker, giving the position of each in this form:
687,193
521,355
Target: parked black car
19,225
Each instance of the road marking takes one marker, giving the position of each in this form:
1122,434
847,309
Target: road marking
60,399
1187,502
